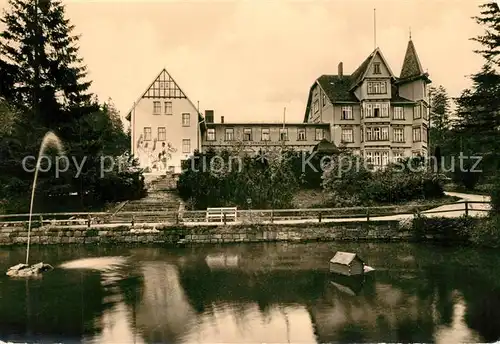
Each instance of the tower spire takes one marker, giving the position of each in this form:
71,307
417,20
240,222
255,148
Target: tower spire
410,32
375,28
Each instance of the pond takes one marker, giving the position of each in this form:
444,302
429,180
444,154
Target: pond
272,292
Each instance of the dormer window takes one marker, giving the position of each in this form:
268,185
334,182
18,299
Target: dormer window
376,68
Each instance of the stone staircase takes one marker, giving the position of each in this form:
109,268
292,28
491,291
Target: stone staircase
160,205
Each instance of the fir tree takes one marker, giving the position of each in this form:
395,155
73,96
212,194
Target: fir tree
479,107
40,52
490,19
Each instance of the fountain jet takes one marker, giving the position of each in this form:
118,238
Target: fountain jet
49,140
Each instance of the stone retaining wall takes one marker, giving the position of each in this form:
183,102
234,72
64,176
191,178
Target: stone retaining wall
380,230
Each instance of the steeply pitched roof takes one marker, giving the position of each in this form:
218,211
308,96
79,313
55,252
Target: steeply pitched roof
412,68
337,88
361,71
163,75
358,74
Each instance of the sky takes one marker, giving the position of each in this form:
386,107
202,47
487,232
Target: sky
248,60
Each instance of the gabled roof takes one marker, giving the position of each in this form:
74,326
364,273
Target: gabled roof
412,68
336,89
344,258
360,73
163,73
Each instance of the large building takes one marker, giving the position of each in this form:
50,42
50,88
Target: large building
164,126
372,111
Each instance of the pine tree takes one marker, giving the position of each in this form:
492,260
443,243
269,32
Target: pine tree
40,52
479,107
490,19
44,77
440,108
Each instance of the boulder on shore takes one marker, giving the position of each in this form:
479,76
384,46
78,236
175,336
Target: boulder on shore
24,270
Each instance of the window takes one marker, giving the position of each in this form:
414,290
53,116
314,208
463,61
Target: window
368,110
385,110
247,134
147,134
283,134
424,134
369,157
376,87
324,100
377,133
376,110
156,108
301,134
398,135
168,108
265,134
316,106
362,138
398,113
229,134
384,133
376,159
398,155
347,135
186,119
210,134
416,112
426,112
385,158
347,112
162,134
186,146
376,68
319,134
417,134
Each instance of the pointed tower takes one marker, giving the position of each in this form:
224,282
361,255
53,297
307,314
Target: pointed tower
413,79
412,85
411,64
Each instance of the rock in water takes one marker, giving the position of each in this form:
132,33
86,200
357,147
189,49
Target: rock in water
23,270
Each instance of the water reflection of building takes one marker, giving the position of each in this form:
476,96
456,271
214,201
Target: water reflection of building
164,314
280,299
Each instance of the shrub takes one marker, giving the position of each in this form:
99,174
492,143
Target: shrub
444,228
267,183
495,197
394,184
487,233
465,176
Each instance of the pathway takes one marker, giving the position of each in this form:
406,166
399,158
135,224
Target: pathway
442,211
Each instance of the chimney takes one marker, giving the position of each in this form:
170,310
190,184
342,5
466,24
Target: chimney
222,119
209,116
341,69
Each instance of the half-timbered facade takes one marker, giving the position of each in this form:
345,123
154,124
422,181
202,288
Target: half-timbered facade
164,126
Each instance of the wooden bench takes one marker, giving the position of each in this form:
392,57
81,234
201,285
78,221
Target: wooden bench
221,214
